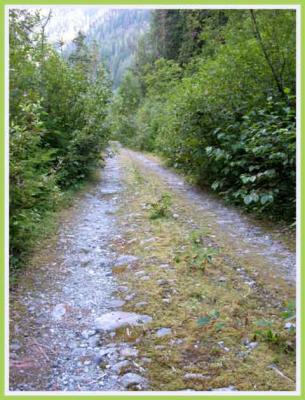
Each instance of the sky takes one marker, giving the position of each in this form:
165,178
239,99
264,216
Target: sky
67,21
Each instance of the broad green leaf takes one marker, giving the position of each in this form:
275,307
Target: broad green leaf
202,321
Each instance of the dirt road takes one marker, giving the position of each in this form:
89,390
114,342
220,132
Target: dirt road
151,284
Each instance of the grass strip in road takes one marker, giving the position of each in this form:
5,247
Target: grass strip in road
224,331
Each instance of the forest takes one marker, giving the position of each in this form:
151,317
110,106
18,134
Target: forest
212,91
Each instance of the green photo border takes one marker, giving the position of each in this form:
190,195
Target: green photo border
301,193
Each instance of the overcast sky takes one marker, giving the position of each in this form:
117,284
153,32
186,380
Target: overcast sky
67,21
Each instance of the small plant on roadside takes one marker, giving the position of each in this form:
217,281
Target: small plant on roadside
198,256
265,332
289,313
202,258
196,237
268,335
219,326
138,176
212,316
161,207
283,341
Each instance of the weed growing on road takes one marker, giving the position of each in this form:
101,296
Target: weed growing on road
139,178
272,333
199,257
161,207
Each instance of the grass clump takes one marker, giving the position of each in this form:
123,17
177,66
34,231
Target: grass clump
161,207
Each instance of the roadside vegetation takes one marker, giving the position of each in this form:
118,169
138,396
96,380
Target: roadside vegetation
57,127
213,92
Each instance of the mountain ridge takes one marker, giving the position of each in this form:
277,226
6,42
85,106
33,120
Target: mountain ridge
116,32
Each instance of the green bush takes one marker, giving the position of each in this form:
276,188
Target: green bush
58,130
33,187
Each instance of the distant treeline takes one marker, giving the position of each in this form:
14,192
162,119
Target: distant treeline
214,92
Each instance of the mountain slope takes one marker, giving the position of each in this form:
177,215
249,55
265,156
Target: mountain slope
118,36
116,32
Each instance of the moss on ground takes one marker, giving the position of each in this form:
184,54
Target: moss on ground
212,311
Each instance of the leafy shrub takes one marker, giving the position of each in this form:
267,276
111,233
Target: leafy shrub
254,160
33,188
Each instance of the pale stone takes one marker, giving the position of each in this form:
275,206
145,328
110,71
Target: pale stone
130,379
163,332
118,319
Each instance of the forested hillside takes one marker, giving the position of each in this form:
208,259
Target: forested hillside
213,91
117,36
57,125
116,31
